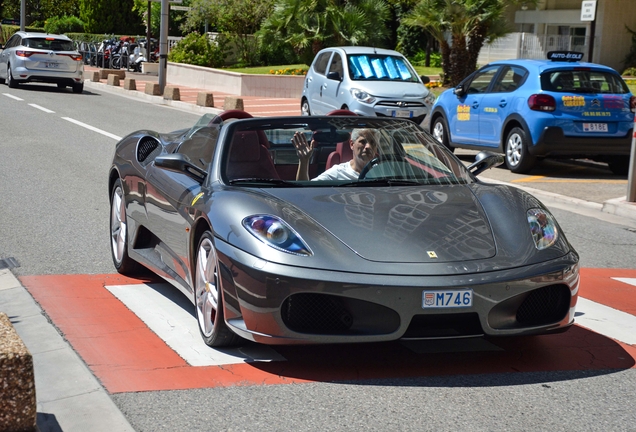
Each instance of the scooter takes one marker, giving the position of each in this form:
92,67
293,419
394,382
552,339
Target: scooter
135,58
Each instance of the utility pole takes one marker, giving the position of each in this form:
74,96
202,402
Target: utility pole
163,45
22,14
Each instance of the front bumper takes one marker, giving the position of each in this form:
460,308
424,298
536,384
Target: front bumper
276,304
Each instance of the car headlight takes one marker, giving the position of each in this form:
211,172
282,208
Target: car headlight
430,99
272,231
362,96
543,228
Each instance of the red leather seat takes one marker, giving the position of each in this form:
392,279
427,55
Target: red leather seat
343,151
249,157
342,154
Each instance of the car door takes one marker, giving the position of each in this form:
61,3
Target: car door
317,82
464,120
168,195
332,84
498,103
4,55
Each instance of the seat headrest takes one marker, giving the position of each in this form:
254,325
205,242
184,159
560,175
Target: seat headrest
246,147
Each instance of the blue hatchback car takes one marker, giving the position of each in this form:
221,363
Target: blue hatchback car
528,109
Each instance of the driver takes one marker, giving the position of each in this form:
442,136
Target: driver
364,145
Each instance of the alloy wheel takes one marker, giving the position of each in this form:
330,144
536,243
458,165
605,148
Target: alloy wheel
206,288
118,225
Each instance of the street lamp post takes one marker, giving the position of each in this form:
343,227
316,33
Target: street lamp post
163,45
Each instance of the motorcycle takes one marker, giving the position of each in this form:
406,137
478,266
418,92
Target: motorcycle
135,58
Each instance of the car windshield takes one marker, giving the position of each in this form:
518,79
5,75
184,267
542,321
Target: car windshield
49,43
260,153
375,67
583,80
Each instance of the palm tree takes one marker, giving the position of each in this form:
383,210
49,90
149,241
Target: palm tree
461,27
310,25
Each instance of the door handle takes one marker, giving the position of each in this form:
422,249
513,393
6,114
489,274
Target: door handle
503,103
475,105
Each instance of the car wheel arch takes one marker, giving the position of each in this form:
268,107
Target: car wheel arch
512,122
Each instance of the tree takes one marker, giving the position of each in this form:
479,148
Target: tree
38,11
310,25
461,27
238,20
110,16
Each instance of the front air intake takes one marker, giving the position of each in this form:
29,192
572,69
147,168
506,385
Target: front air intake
545,305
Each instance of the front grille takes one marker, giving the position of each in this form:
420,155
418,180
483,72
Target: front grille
400,104
444,326
146,147
316,313
545,305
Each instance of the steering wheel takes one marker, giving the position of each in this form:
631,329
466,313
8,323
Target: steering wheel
377,161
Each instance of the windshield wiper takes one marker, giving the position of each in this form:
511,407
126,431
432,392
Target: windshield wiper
382,182
262,182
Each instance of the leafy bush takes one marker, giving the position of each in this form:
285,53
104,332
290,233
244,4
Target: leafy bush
629,72
420,59
196,49
65,24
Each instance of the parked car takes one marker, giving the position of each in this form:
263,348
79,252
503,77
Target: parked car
366,81
528,109
41,57
416,247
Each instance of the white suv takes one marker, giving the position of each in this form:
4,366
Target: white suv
41,57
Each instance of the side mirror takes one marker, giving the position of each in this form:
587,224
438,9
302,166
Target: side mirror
485,160
425,79
179,163
334,76
459,90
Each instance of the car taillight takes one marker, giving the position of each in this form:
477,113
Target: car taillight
21,53
632,103
76,57
541,102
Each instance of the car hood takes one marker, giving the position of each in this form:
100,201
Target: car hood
390,89
400,224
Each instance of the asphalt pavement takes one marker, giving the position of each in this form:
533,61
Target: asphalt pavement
70,398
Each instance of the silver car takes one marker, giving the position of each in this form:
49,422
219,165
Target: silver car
41,57
366,81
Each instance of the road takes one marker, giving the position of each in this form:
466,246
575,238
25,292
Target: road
56,149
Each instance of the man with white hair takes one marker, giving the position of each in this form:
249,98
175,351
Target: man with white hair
364,145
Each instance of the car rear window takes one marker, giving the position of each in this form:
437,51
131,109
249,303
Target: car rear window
583,81
49,44
380,67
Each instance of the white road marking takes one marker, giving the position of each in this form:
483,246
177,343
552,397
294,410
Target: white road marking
607,321
46,110
630,281
94,129
169,314
12,97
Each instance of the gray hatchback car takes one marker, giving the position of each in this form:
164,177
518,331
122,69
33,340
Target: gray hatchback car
366,81
41,57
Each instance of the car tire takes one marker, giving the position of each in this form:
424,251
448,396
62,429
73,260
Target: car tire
518,159
304,108
10,81
439,130
78,87
208,296
619,165
119,233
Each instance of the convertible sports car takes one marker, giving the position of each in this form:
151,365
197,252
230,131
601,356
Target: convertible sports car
417,247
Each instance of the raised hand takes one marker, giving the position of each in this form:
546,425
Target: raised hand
304,150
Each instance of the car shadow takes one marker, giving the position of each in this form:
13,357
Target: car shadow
571,355
51,88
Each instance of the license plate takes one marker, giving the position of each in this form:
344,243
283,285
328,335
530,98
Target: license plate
402,113
447,299
594,127
51,65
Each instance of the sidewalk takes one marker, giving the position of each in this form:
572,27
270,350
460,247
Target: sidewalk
257,106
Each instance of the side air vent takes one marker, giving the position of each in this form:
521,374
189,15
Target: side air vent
147,149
